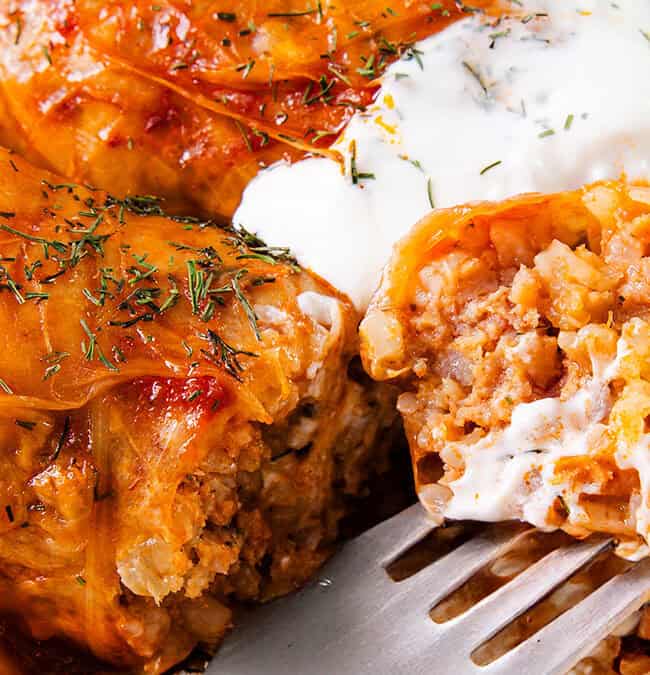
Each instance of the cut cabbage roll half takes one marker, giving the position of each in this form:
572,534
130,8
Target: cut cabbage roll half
179,424
519,334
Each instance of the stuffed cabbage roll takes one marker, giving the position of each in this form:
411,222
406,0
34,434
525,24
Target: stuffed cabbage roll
519,334
181,422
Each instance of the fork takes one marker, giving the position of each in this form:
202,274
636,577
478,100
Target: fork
355,619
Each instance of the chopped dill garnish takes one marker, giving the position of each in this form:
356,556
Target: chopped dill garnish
248,310
368,70
194,284
59,186
30,269
322,95
91,297
147,205
58,246
289,15
257,256
36,295
485,169
172,297
6,281
245,68
53,363
499,34
92,349
319,134
208,311
50,279
51,370
430,193
262,135
138,274
412,53
568,122
476,75
224,355
208,251
89,239
307,92
211,283
242,130
354,172
387,47
545,133
260,249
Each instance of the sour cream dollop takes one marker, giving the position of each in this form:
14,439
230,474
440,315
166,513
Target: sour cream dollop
548,101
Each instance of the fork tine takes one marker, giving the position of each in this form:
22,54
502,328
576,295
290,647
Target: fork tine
356,618
431,584
391,538
399,634
365,557
359,605
563,642
495,611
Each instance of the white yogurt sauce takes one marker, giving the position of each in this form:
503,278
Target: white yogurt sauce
559,101
510,473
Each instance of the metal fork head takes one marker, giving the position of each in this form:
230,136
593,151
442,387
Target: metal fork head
355,619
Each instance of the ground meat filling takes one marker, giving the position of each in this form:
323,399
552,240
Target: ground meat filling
523,341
